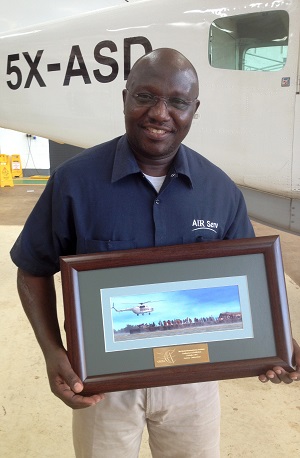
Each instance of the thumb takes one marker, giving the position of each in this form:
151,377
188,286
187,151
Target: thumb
74,382
77,387
70,377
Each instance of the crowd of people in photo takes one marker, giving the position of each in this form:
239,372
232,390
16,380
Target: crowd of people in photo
164,325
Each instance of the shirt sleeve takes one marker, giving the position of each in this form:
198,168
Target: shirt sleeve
47,233
240,226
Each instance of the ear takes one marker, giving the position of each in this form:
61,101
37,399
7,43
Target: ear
197,105
124,95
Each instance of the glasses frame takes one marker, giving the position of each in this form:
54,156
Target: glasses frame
154,99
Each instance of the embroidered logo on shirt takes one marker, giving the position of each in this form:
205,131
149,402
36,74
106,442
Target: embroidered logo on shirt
201,224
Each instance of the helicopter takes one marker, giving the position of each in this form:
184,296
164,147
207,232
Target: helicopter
138,309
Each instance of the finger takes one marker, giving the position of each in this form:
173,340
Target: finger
66,381
279,375
263,378
282,375
76,401
270,376
71,378
295,376
273,377
75,384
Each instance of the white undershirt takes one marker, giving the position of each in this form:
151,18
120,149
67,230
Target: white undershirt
156,181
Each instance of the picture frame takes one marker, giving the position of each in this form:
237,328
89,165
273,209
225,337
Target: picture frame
227,307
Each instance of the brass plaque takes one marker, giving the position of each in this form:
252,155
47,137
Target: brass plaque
180,355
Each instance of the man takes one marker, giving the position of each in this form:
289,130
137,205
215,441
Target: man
142,189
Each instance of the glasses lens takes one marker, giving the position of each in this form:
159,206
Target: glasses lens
149,100
179,104
145,99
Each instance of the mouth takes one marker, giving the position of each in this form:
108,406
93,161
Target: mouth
156,133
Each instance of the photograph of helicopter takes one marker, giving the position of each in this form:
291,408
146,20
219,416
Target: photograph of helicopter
139,309
177,312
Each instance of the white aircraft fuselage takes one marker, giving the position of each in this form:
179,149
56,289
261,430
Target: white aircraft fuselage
63,80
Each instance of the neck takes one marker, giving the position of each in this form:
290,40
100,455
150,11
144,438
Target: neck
154,163
154,171
154,167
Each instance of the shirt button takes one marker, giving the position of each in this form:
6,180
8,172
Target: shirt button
173,175
157,201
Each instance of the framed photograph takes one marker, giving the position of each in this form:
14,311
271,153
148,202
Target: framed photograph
176,314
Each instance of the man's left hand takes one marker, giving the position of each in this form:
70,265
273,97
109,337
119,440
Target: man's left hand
278,374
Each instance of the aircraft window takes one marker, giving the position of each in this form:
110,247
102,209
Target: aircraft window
266,58
250,42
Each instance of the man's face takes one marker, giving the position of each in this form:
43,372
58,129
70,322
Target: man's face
155,132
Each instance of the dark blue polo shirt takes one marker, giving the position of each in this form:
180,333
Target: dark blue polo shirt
101,201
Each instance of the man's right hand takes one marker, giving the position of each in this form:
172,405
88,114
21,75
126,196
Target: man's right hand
65,384
38,298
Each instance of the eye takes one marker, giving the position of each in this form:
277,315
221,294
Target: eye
178,103
144,98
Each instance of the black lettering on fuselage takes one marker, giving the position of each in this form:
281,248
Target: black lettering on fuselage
34,73
105,60
76,66
128,42
81,71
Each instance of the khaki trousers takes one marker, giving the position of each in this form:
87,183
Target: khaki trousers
183,421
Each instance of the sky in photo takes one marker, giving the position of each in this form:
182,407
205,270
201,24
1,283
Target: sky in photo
171,305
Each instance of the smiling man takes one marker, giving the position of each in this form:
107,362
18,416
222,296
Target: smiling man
140,190
160,101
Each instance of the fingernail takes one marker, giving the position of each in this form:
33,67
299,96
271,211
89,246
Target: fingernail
77,386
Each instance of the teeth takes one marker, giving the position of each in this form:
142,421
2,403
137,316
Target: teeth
156,131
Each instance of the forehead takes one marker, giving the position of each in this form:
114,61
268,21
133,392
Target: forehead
163,78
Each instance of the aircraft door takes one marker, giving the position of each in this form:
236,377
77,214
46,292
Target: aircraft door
295,207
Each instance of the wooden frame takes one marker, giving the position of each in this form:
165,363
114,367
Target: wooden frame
86,279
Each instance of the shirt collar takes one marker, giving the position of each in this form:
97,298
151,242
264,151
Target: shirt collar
125,163
181,166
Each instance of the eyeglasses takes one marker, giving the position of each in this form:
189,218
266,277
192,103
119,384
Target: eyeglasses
145,99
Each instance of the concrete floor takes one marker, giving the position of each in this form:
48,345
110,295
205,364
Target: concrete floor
257,419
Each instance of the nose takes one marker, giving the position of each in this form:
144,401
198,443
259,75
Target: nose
159,111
